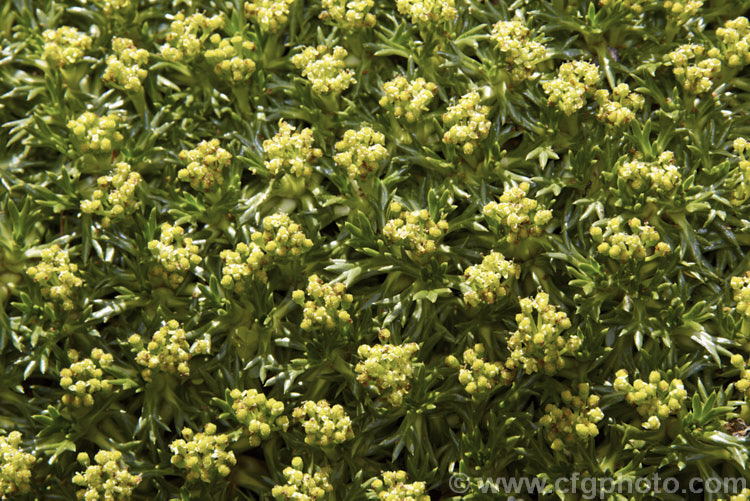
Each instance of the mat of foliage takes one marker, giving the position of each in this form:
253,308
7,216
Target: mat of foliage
344,249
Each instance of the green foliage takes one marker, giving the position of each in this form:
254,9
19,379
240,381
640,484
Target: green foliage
347,249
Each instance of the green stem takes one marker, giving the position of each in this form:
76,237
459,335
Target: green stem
602,54
139,101
242,97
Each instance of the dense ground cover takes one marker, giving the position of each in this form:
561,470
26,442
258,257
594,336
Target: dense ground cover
347,250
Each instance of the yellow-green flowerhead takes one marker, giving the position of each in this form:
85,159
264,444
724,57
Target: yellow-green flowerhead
325,68
655,399
361,151
203,454
57,276
15,466
108,478
477,375
125,67
187,35
291,151
325,425
116,197
640,242
541,342
575,80
281,237
660,177
520,53
96,134
408,98
205,164
327,305
302,485
466,122
428,12
392,485
270,15
349,14
175,253
231,57
694,67
576,422
619,107
168,350
259,414
65,45
489,281
515,216
84,378
387,368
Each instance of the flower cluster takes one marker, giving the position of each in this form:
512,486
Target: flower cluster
656,399
124,66
634,5
680,11
697,77
119,187
281,237
168,351
65,45
489,280
415,230
741,180
203,454
388,368
577,421
176,254
360,151
244,263
269,14
408,98
109,7
568,90
15,466
735,35
393,487
260,415
621,107
660,176
187,35
349,14
428,12
539,344
467,122
743,385
325,68
107,479
205,163
643,239
477,375
231,57
741,287
327,306
95,133
516,216
57,276
290,151
324,424
520,53
302,486
84,377
743,495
